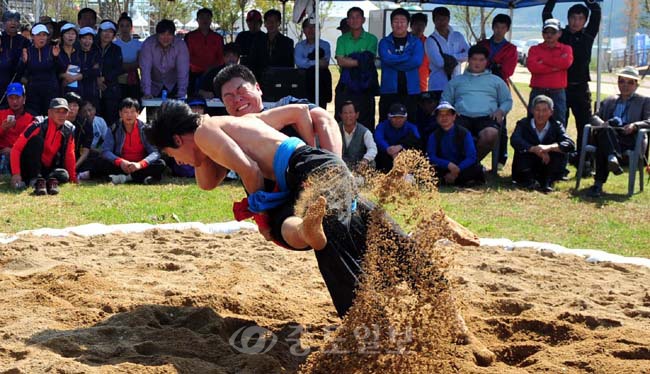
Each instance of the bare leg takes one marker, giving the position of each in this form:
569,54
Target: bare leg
308,232
486,140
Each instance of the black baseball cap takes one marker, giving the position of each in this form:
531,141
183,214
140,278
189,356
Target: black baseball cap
59,102
397,110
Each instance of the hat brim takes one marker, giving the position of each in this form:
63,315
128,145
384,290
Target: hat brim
397,115
61,106
551,27
627,75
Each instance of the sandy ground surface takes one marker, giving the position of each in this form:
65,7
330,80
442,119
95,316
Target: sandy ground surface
166,302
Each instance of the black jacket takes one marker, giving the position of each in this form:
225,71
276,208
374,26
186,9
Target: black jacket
525,137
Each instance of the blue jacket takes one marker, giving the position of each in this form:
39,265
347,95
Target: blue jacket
408,61
386,135
113,143
449,149
363,78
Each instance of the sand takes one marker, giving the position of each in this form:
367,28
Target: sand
172,301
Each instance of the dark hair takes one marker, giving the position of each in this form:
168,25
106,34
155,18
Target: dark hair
174,118
166,25
99,31
419,17
230,72
203,11
128,102
306,22
86,10
87,102
73,97
25,27
273,12
441,11
578,9
355,9
478,49
349,102
231,48
502,18
400,12
125,17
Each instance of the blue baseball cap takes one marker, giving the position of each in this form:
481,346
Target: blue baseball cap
15,89
196,101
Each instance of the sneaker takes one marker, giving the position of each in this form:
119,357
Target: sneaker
118,178
40,187
52,186
546,188
595,191
84,175
613,165
150,180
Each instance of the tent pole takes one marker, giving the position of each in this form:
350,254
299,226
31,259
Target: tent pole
511,14
317,53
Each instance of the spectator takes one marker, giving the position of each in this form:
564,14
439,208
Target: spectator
394,135
164,63
418,25
69,61
52,31
446,49
241,95
580,39
625,113
14,120
425,118
230,57
355,54
83,131
198,105
26,32
129,80
451,150
481,98
205,48
89,58
401,55
87,17
548,63
40,71
245,39
43,155
305,59
127,154
110,70
343,26
271,49
11,47
95,128
502,62
541,145
359,148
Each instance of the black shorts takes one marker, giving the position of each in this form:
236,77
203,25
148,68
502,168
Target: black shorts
476,124
304,162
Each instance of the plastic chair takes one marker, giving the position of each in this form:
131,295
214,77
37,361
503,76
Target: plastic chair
635,157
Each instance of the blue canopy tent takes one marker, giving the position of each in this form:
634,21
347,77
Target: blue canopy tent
504,4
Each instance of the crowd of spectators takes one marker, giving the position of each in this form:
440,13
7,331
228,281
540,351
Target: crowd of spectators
72,94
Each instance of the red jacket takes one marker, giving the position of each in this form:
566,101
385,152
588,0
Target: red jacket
423,70
506,57
53,141
205,50
8,137
548,66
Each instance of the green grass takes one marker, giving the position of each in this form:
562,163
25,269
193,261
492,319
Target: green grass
614,223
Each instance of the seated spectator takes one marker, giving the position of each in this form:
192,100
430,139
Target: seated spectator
127,154
271,49
541,146
12,44
43,155
305,59
40,71
359,148
205,84
130,79
548,63
205,48
198,105
95,132
394,135
400,54
425,117
446,50
110,70
164,63
244,39
451,150
14,120
481,98
625,113
83,131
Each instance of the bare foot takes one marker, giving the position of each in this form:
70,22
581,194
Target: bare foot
311,228
482,355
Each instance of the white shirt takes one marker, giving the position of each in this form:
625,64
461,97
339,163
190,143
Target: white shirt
368,141
540,134
455,45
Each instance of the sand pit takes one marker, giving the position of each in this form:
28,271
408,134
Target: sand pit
181,301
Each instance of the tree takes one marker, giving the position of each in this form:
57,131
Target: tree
165,9
111,9
632,13
471,17
60,9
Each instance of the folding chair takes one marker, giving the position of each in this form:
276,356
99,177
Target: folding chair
635,157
